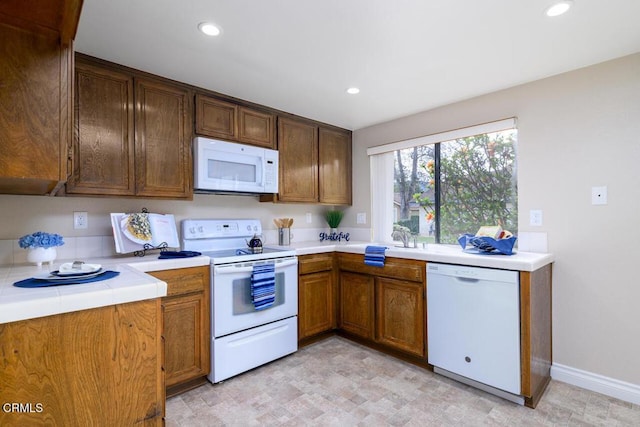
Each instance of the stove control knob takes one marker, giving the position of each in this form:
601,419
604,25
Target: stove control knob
192,230
248,228
200,229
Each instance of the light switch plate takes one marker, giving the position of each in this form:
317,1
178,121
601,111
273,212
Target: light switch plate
599,195
535,217
308,218
361,218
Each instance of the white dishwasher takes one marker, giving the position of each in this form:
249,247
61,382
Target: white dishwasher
473,326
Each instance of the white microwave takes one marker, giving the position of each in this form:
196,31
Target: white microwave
228,167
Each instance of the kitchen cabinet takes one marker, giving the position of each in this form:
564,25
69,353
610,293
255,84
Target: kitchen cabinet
132,134
316,295
400,315
315,163
227,120
104,141
298,148
186,327
357,304
35,100
334,161
385,305
101,366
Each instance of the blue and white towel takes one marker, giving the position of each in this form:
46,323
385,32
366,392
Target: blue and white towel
263,286
374,255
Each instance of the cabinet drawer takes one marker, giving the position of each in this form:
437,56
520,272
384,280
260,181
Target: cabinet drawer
314,263
394,267
184,280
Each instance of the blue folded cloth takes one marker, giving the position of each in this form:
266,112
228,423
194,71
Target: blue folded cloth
488,245
374,255
263,286
178,254
35,282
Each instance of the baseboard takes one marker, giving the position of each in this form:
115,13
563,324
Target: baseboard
598,383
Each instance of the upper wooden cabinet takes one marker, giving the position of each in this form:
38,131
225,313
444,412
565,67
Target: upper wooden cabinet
35,99
334,161
226,120
315,163
103,149
298,148
132,134
163,140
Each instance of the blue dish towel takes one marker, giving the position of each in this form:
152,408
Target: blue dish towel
39,283
374,255
263,286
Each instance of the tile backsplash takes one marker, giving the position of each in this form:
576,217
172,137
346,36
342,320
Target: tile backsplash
74,248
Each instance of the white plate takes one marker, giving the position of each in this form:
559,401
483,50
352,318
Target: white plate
67,269
53,278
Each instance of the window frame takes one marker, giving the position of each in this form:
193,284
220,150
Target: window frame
382,169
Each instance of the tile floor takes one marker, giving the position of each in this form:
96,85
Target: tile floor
336,382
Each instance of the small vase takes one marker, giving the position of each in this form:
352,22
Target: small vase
40,255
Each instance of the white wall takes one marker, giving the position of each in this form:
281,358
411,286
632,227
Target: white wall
20,215
575,131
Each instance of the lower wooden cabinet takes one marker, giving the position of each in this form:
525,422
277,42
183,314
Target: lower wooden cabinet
384,304
400,315
316,295
97,367
357,304
186,328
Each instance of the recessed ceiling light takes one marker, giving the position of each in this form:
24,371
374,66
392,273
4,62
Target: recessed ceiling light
209,28
559,8
353,90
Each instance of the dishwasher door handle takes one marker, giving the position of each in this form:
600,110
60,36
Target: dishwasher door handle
466,280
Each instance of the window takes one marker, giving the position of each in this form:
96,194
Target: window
445,185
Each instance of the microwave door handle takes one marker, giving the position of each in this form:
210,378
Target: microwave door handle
230,269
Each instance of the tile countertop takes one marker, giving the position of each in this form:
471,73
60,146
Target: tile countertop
449,254
131,285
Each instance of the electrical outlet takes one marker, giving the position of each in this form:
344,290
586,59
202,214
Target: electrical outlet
309,218
361,218
80,220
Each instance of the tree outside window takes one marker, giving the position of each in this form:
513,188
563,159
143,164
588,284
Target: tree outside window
446,189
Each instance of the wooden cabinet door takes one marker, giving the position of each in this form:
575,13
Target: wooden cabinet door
298,147
163,140
103,143
186,327
186,356
356,304
34,108
334,160
400,315
316,309
98,367
256,128
216,118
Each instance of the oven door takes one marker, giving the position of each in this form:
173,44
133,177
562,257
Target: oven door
233,310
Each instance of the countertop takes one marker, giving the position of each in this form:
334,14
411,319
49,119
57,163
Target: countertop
449,254
132,284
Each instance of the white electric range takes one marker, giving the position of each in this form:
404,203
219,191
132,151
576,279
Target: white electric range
243,336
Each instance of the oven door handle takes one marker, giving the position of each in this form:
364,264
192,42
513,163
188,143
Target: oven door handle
233,269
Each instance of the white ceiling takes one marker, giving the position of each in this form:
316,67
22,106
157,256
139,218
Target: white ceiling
406,56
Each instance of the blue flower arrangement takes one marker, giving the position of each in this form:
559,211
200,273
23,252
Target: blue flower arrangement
40,239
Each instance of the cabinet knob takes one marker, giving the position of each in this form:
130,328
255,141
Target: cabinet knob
467,359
